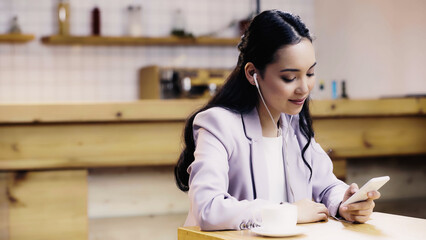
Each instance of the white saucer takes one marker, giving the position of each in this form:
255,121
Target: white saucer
279,233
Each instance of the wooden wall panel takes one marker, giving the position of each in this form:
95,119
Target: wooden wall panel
56,146
46,205
134,192
366,137
87,145
4,206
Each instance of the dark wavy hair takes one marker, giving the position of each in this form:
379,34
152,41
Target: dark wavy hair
268,32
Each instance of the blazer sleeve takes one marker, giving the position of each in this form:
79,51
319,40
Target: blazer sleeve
212,206
327,189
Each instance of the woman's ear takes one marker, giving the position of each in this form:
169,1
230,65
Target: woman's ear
249,71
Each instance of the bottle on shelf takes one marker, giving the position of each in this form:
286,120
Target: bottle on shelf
334,89
14,26
96,21
344,94
134,27
178,28
64,17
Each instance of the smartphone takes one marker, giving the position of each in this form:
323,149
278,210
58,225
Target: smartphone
371,185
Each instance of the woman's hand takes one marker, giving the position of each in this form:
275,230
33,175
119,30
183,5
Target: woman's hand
358,212
310,211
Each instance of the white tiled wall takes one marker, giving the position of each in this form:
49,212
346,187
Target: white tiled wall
34,72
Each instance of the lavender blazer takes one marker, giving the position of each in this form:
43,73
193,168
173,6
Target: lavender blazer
228,181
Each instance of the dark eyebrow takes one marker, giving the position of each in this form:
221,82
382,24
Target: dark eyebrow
295,70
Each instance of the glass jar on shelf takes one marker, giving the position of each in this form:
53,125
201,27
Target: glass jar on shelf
134,25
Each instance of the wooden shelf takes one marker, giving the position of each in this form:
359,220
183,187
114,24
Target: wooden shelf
136,41
16,38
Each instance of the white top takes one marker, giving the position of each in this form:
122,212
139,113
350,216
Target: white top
275,165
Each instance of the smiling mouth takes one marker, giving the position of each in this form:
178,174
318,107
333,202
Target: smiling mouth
297,101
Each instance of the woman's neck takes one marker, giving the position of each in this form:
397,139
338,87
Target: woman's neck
269,128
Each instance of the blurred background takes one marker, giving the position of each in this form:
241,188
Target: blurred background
375,46
106,51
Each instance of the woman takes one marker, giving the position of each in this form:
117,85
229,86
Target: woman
253,144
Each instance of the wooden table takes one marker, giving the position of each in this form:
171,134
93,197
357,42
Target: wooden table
380,226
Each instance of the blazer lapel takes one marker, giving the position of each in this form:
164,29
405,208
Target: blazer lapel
287,170
294,168
253,131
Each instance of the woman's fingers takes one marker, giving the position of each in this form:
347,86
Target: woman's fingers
362,212
358,218
374,195
354,188
321,217
365,205
321,208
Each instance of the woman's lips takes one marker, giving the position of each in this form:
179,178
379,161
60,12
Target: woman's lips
297,101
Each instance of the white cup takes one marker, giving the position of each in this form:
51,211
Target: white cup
279,217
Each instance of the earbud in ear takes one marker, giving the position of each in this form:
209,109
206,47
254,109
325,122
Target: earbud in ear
255,80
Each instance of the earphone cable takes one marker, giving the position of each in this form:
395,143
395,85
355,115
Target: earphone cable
267,109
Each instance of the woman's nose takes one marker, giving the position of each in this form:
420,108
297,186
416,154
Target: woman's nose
302,87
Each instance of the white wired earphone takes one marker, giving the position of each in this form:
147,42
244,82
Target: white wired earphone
278,130
264,103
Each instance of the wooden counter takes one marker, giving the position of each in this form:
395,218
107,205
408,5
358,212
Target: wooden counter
171,110
54,136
